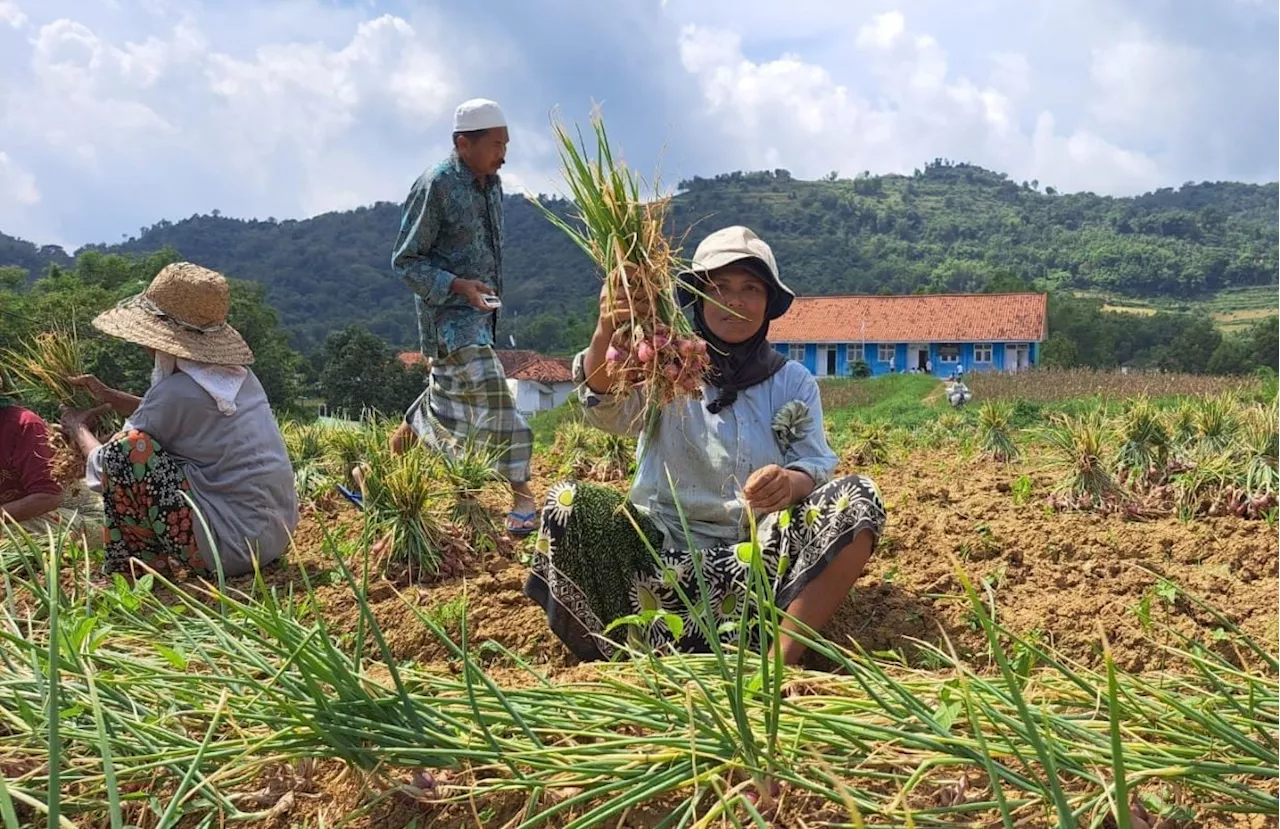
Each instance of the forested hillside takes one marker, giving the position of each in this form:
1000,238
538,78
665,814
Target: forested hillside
951,227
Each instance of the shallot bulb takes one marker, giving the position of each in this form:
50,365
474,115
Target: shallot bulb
644,351
614,355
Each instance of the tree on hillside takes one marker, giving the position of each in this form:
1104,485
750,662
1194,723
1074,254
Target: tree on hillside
274,362
1263,340
359,371
72,297
1230,357
1192,348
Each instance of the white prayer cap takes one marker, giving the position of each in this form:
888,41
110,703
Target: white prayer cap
478,114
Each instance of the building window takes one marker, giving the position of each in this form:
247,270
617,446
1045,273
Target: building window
885,352
855,352
797,352
982,352
948,353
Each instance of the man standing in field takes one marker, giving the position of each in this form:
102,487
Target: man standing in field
449,252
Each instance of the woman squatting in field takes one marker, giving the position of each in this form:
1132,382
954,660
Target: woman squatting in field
752,441
203,431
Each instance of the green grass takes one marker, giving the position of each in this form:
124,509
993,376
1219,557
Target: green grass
898,399
546,424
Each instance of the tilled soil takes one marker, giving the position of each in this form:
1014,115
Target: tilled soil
1054,576
1058,577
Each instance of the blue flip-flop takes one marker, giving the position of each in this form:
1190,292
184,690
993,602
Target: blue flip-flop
522,532
354,497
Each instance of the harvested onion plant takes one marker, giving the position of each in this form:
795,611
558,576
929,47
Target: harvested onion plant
305,443
1216,423
995,430
41,366
1077,448
586,453
405,502
469,471
1144,441
123,709
870,444
656,352
347,448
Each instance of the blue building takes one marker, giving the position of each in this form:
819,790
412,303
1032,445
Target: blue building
929,333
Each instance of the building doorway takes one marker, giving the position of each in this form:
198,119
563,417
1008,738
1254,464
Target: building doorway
918,357
1017,357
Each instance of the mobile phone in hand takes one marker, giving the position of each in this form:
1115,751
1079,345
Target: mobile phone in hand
491,301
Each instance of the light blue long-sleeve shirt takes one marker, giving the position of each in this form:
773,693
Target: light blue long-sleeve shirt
450,226
711,456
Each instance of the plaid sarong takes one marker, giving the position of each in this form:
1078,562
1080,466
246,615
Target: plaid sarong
467,399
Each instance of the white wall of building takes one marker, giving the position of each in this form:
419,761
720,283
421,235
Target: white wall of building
536,397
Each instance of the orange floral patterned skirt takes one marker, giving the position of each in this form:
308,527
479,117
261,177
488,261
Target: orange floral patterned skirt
147,516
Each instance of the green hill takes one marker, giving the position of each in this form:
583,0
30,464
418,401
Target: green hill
951,227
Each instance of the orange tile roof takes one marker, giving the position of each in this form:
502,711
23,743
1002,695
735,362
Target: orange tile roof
946,318
545,370
511,360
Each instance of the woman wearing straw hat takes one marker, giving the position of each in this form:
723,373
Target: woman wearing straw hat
751,446
30,493
204,429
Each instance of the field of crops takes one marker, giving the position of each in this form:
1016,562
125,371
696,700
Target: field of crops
1232,309
1071,621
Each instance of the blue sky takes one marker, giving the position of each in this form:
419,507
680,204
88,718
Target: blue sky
117,113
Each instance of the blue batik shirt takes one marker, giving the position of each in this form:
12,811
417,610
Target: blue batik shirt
450,226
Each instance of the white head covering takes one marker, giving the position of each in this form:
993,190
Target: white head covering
478,114
221,382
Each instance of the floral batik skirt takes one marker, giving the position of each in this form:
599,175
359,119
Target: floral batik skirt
596,563
147,516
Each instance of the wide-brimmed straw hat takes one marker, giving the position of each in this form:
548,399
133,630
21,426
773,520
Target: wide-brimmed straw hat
182,312
737,245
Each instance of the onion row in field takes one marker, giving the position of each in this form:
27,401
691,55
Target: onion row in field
244,682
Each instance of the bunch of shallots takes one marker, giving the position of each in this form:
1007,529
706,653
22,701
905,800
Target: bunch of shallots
668,362
655,352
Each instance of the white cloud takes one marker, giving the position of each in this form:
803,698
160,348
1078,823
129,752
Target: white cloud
1145,85
129,111
16,184
800,115
12,15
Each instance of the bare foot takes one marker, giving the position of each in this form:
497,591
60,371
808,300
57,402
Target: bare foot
402,438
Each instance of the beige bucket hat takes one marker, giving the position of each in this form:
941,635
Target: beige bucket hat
736,245
182,312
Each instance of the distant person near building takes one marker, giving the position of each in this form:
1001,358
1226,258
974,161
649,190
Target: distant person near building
449,252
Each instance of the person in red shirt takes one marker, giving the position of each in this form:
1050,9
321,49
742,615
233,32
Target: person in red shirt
29,493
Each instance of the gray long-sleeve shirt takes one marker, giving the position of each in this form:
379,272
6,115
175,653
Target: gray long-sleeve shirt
237,466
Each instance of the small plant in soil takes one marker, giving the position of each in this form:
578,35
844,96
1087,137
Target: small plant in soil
405,501
1021,489
870,444
995,431
1076,449
1144,441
